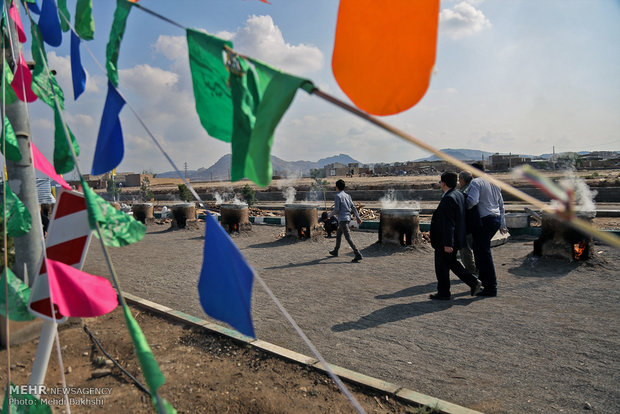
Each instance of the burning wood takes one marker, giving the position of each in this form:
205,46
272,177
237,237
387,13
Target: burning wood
302,221
559,240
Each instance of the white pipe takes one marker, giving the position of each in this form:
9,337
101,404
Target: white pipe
42,359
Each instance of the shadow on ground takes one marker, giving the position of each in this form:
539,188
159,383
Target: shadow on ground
401,311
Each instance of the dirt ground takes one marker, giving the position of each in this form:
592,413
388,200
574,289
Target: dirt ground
205,373
550,342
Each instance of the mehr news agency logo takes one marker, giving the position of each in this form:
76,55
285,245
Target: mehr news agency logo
87,396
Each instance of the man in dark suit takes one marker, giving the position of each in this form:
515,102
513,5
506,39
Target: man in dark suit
448,236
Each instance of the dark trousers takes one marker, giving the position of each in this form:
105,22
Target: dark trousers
343,228
444,262
482,252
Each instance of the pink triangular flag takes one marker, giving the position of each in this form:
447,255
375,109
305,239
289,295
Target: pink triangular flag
78,293
42,164
14,13
22,81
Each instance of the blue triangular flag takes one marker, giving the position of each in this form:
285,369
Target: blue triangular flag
34,7
77,71
225,285
110,148
49,23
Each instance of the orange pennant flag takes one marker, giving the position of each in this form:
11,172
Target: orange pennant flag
384,52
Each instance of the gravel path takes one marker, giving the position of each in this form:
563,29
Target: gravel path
550,342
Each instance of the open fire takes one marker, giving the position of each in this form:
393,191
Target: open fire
557,239
235,218
302,221
399,226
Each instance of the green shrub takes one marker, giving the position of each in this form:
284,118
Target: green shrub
184,193
249,195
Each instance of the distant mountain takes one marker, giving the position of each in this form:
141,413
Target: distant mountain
460,154
221,169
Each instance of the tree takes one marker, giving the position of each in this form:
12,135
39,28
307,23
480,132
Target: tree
146,194
320,184
249,195
184,193
113,189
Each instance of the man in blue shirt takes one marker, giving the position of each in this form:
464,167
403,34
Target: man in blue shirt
488,199
343,205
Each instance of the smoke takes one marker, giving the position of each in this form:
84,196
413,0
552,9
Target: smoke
289,194
390,200
229,198
584,195
218,198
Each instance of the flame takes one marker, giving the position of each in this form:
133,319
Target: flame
579,249
235,227
303,232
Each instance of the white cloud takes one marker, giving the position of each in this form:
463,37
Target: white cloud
79,120
173,47
151,83
62,66
462,20
262,39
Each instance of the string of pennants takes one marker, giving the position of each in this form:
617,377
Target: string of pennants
240,101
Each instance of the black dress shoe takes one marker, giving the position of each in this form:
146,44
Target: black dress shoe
476,288
357,259
487,293
333,253
437,296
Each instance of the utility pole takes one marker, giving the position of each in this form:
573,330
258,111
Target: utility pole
21,176
185,165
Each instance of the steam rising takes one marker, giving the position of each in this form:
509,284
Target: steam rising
289,194
390,200
584,196
230,198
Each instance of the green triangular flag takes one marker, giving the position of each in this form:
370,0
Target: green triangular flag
44,84
63,159
23,404
18,220
10,142
275,91
7,90
18,294
64,11
150,369
116,36
210,82
84,21
118,229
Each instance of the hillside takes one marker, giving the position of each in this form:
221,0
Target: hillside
221,169
460,154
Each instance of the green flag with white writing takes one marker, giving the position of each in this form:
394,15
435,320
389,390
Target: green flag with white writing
117,228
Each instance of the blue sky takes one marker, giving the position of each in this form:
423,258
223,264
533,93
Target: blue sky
516,76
